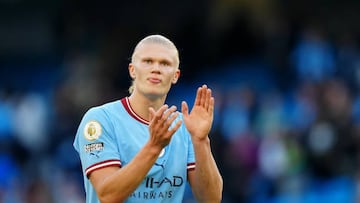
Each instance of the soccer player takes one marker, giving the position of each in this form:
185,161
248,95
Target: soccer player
138,149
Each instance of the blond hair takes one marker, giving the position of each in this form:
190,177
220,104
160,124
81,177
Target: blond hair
156,39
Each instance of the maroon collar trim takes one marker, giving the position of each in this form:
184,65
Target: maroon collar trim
127,106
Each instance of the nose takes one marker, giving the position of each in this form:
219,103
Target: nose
155,68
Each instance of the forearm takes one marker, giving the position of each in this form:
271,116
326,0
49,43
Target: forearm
208,183
120,185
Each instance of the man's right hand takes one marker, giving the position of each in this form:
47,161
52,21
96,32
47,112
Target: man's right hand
159,127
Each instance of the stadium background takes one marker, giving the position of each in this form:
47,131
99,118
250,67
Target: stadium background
285,75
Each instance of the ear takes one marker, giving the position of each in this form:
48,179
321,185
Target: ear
132,71
176,76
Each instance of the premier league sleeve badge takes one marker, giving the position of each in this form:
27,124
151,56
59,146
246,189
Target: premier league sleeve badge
92,130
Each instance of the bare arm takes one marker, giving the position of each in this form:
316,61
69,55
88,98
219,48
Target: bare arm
114,184
206,181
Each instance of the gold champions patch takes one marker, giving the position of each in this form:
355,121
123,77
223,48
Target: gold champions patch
92,130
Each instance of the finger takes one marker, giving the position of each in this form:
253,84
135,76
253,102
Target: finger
158,115
169,111
211,106
203,95
175,128
184,108
171,119
207,99
167,114
166,129
198,97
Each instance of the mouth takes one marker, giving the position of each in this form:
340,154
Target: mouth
154,80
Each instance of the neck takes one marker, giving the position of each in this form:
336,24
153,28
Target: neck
141,103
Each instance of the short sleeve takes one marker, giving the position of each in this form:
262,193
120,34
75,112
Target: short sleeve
95,141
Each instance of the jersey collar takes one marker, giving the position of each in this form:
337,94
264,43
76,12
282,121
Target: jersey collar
127,106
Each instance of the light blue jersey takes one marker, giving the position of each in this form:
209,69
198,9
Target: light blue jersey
112,134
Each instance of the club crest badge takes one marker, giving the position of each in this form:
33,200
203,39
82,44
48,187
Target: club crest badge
92,130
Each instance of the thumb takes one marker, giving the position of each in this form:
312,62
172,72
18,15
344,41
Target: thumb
184,109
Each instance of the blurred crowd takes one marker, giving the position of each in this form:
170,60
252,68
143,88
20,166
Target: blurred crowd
287,116
298,143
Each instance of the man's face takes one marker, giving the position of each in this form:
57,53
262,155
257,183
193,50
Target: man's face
154,69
